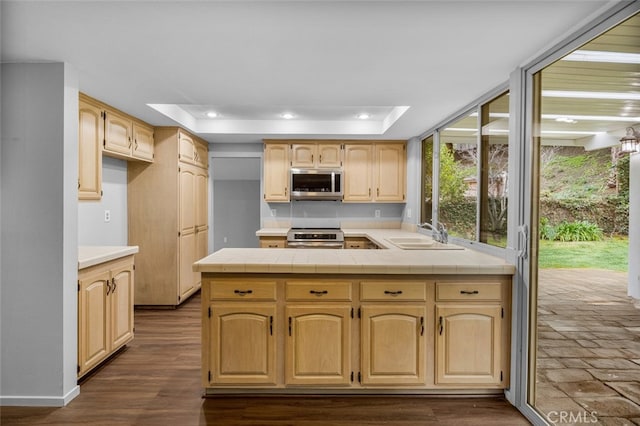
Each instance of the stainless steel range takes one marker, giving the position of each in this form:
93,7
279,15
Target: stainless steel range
315,238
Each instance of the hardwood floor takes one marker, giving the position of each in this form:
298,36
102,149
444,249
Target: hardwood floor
156,381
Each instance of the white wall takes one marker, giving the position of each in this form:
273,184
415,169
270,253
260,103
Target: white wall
92,229
38,293
236,216
634,226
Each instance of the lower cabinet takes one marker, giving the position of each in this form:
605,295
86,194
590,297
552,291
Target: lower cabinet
273,242
318,345
105,311
301,331
242,343
393,344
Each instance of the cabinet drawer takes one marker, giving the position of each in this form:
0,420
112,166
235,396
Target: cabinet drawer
243,290
325,291
273,242
392,290
468,291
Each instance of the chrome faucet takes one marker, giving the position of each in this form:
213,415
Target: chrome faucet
439,231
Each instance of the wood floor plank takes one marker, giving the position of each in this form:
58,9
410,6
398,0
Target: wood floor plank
156,381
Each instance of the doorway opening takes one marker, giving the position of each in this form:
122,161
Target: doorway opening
236,201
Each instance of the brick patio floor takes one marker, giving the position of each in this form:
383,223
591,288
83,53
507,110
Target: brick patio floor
588,348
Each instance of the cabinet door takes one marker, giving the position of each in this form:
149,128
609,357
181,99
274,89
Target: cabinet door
186,148
93,340
187,278
121,306
357,172
117,132
304,155
90,138
329,155
468,344
187,199
393,344
201,183
143,145
318,345
242,344
202,250
276,172
389,172
201,154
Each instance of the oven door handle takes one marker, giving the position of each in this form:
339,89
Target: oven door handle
317,244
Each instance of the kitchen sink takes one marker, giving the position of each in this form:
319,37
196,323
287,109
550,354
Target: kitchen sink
420,243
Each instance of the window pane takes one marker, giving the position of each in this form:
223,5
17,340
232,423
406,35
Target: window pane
426,210
495,156
459,177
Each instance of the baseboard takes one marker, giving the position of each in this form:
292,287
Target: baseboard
39,401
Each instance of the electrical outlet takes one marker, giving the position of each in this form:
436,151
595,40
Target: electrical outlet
107,215
224,240
273,212
408,213
376,213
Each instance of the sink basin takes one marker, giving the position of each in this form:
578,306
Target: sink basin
420,243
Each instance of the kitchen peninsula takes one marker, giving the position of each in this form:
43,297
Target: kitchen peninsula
355,321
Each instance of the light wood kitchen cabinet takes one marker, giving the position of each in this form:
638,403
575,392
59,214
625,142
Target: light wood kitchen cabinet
105,311
90,138
316,155
240,332
276,172
242,344
356,332
393,344
127,138
357,172
471,339
318,345
168,217
390,172
273,242
375,172
359,243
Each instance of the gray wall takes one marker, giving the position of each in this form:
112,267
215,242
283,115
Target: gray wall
92,229
39,245
236,215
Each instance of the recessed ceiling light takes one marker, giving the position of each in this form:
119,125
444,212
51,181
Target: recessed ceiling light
287,115
212,114
363,116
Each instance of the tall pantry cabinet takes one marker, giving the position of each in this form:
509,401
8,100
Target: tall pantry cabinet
168,217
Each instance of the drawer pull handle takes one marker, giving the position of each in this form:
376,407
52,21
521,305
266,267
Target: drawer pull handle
318,292
271,325
440,325
469,292
242,292
422,326
393,293
289,326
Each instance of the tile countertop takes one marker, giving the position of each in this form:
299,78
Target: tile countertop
384,261
93,255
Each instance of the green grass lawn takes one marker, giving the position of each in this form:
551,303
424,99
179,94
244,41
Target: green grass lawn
610,253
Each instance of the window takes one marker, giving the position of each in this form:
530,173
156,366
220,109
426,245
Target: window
494,160
472,181
458,178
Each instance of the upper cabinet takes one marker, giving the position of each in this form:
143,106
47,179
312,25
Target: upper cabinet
90,137
193,151
316,155
127,138
104,130
276,172
375,172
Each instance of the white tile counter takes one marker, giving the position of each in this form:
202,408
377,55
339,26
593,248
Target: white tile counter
94,255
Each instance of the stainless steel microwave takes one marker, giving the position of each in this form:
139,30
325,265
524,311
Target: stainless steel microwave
316,184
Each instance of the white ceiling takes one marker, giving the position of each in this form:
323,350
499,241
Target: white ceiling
252,61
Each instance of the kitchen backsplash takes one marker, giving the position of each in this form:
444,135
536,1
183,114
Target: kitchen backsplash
331,214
